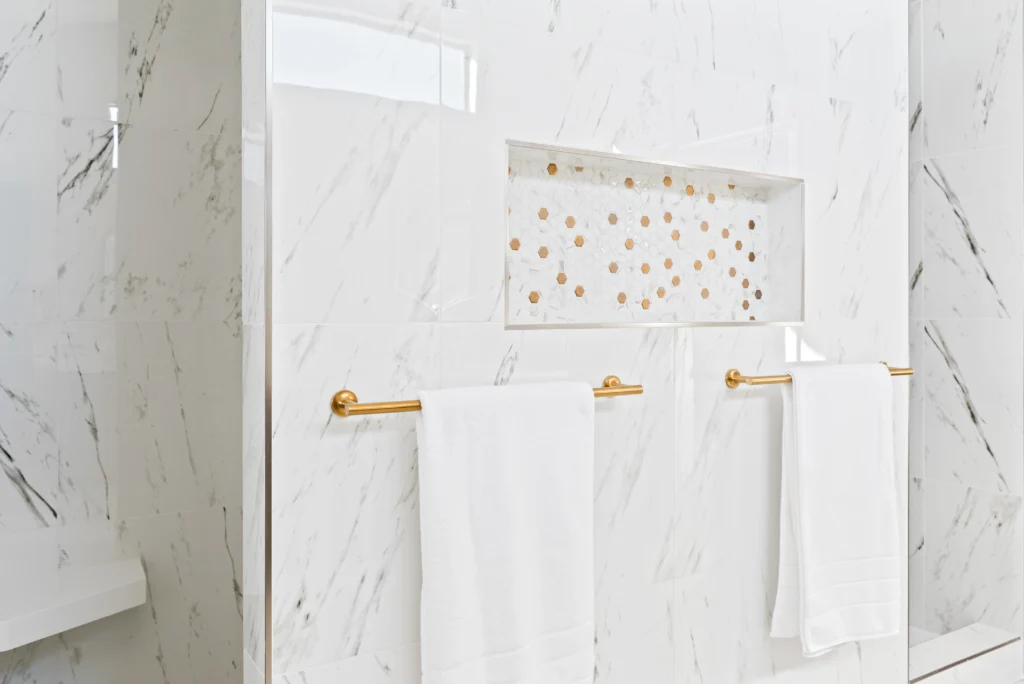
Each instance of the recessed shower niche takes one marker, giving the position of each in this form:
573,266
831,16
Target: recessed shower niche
602,239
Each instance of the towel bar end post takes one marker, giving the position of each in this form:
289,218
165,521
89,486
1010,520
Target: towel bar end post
341,402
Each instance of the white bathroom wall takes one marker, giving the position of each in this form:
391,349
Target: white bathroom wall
388,145
120,325
967,218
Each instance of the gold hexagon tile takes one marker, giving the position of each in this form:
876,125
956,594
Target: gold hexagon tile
605,203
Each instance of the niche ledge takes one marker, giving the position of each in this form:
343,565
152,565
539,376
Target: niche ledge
53,602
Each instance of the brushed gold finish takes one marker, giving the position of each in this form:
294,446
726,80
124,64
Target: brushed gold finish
535,297
675,235
579,290
514,244
697,265
705,293
552,169
668,263
711,254
543,214
746,304
646,304
667,217
725,233
733,378
579,240
668,182
561,279
645,268
689,190
570,222
704,226
344,404
644,221
751,224
630,183
613,219
543,252
629,243
711,198
622,298
732,272
661,293
746,283
613,267
739,245
751,257
675,281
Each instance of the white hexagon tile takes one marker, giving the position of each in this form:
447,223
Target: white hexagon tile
596,240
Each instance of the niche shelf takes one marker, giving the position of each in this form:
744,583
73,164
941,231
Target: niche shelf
597,239
48,603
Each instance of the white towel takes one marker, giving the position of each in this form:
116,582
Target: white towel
507,524
839,560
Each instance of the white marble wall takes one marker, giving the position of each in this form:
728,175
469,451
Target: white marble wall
120,324
967,232
388,166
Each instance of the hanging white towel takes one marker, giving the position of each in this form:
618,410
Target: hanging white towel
507,526
839,561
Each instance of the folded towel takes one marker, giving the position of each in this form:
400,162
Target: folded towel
839,560
507,526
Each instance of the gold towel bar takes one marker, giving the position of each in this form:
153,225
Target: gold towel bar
734,378
345,403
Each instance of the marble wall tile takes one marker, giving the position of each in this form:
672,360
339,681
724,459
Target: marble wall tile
29,461
915,271
346,532
918,553
254,482
357,236
187,631
148,224
178,227
916,79
178,412
974,234
974,405
976,580
634,459
86,421
166,64
397,666
633,633
28,52
28,269
917,385
972,74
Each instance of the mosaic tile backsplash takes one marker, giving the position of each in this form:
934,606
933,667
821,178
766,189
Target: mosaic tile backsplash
598,240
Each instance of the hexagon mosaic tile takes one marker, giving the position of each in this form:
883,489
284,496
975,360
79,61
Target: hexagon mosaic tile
602,240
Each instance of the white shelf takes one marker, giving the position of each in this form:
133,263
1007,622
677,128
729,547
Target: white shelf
51,603
956,648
